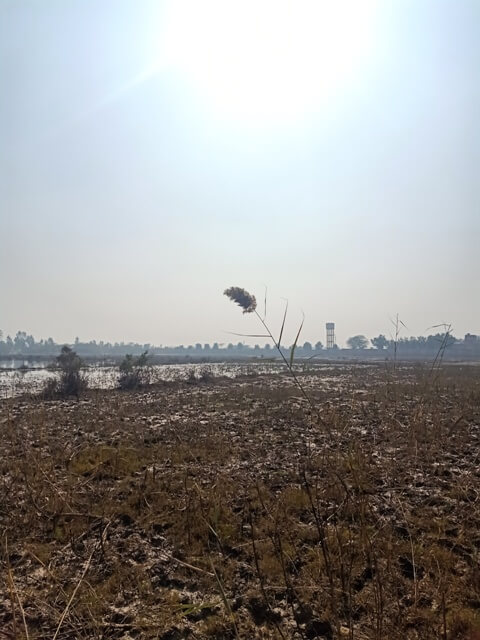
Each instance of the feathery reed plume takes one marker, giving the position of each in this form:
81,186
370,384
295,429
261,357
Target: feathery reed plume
242,298
249,305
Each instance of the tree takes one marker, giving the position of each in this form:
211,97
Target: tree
133,371
357,342
307,347
71,382
380,342
20,341
318,346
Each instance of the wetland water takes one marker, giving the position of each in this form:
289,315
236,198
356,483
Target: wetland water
16,379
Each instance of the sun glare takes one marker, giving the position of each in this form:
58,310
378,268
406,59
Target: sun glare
267,60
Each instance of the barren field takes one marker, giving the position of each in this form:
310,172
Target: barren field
234,508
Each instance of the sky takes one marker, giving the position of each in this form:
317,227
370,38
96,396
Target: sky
153,154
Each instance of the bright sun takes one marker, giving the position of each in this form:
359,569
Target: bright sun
268,60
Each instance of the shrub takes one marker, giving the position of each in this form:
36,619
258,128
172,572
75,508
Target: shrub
50,389
71,381
134,372
191,376
206,375
197,375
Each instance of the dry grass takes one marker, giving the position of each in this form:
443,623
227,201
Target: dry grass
227,510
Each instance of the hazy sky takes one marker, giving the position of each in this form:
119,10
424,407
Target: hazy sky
153,154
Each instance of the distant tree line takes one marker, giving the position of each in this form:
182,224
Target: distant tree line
23,344
412,343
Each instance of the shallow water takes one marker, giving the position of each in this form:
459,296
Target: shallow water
20,381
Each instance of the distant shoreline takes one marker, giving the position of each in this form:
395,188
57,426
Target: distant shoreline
341,356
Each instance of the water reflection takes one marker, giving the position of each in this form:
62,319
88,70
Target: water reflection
21,379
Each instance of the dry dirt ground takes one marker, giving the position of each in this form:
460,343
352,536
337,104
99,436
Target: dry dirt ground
237,509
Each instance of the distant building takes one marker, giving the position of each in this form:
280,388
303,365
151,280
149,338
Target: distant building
471,340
